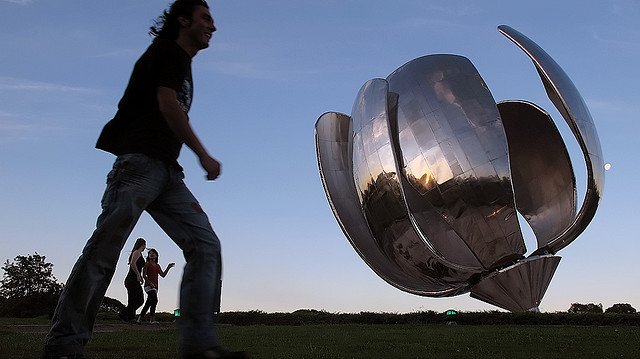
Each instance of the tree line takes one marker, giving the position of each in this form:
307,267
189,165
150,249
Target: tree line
29,289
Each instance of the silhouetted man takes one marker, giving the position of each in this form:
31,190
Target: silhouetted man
146,135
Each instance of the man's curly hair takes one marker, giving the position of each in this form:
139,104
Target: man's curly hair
166,26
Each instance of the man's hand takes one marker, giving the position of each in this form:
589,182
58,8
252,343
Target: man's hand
211,166
179,123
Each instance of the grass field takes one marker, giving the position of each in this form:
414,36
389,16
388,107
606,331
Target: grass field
352,341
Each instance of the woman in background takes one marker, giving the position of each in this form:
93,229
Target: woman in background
151,271
133,281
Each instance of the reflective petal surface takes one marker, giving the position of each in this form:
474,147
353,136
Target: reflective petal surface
567,99
334,151
426,175
460,194
542,175
381,198
520,287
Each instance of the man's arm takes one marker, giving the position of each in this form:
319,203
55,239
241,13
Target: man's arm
179,124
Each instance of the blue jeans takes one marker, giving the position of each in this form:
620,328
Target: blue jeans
138,183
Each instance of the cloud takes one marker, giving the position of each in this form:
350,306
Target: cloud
19,2
126,53
452,10
36,126
14,84
13,127
252,72
4,115
629,41
615,108
449,16
34,110
241,70
434,23
623,8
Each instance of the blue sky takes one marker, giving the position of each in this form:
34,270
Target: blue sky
271,70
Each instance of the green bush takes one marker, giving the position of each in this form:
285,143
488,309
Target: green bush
31,306
621,308
304,317
585,308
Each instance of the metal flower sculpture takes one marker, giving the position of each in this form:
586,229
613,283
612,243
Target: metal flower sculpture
427,173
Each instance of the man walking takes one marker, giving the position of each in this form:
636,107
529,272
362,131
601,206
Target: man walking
146,135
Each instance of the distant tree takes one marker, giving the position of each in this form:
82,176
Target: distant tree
28,287
111,305
585,308
27,276
621,308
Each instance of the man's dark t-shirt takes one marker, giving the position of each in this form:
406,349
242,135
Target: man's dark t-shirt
138,126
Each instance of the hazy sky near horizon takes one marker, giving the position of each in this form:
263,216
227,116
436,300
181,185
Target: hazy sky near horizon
272,69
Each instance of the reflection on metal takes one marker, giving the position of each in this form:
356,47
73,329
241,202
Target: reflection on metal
570,104
543,180
520,287
426,175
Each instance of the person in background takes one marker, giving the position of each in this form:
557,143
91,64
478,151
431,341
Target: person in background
133,281
150,273
146,136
